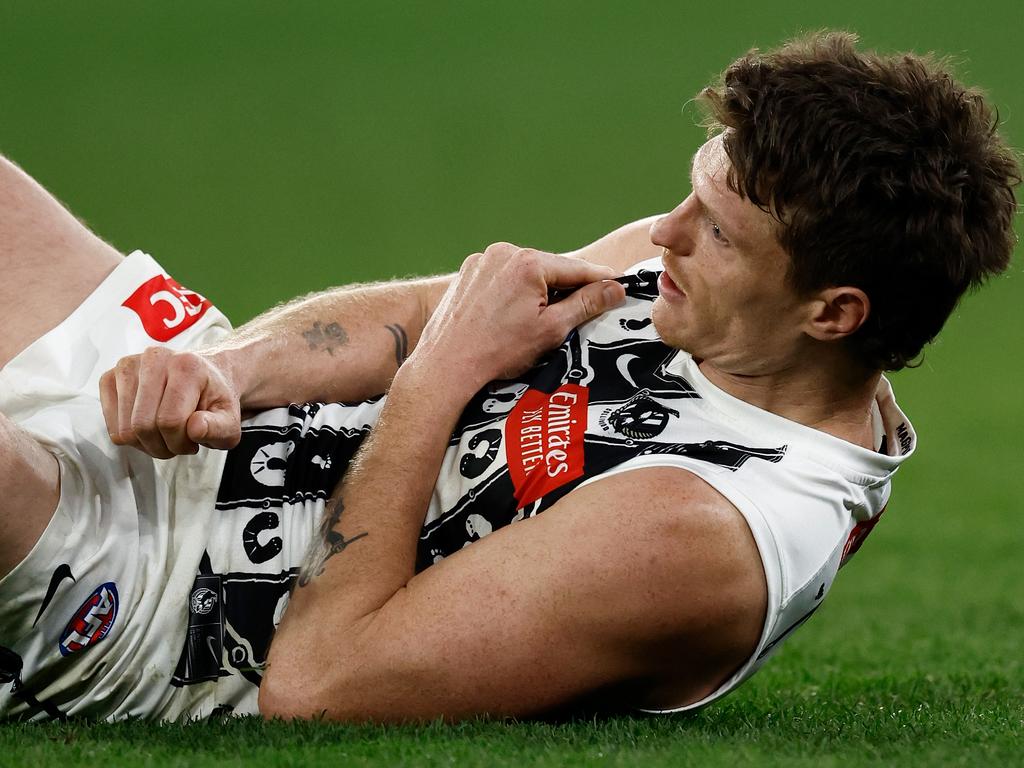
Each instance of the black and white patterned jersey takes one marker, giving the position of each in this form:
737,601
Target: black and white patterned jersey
611,398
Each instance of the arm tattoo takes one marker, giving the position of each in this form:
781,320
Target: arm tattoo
401,342
330,543
329,337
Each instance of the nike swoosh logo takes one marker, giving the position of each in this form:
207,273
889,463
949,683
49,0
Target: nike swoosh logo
63,571
622,363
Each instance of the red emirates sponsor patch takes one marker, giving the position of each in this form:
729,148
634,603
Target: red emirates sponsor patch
544,441
165,307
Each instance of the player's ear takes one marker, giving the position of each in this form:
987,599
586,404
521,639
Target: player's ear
837,312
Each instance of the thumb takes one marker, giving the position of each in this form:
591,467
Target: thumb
215,428
588,302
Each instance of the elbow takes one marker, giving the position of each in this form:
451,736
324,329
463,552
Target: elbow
278,700
304,696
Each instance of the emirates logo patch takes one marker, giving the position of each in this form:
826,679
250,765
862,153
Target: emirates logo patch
544,441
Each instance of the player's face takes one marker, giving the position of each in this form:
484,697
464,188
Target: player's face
724,294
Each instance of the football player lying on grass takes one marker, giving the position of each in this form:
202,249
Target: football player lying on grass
581,485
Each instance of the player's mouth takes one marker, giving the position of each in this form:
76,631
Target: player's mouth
668,288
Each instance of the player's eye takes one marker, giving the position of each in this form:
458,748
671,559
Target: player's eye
716,232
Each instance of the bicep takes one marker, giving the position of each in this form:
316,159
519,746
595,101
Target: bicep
537,615
30,488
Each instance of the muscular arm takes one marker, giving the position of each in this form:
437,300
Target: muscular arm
344,344
660,591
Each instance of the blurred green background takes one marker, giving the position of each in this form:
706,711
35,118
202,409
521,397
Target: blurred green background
262,150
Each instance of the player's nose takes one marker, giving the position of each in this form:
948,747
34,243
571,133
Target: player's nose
674,230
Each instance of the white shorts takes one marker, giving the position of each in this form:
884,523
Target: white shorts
88,602
157,585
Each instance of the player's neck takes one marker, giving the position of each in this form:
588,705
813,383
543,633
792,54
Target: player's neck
825,393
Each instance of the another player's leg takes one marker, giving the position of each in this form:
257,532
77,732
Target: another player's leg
49,262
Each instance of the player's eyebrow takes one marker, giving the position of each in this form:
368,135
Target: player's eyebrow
723,223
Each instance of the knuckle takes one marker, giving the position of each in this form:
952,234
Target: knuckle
498,249
186,363
588,304
153,353
126,365
141,426
169,422
528,257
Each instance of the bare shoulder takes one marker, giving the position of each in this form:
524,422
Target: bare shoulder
30,488
688,552
49,259
621,248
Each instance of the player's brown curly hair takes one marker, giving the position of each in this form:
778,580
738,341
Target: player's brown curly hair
884,173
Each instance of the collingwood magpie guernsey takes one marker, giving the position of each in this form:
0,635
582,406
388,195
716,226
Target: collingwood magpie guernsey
610,399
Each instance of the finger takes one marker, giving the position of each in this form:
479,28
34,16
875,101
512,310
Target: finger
126,383
152,378
188,384
108,402
216,428
583,304
566,272
180,400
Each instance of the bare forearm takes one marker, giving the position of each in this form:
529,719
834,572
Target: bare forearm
346,343
378,510
340,345
494,319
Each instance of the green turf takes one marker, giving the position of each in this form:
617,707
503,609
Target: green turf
261,150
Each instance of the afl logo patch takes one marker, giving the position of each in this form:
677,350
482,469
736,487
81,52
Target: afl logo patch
92,622
203,601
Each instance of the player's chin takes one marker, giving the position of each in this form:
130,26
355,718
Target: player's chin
669,323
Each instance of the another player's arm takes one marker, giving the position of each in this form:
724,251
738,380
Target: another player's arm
622,248
30,489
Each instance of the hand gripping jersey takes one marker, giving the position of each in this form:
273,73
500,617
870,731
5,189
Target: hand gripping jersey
611,398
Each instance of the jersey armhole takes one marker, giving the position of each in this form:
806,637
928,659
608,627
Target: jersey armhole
766,547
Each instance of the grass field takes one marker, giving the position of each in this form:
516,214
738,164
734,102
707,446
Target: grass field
264,150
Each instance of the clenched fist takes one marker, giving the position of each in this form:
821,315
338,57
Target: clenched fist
168,403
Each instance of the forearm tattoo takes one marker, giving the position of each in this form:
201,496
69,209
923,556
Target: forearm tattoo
328,337
401,342
329,543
